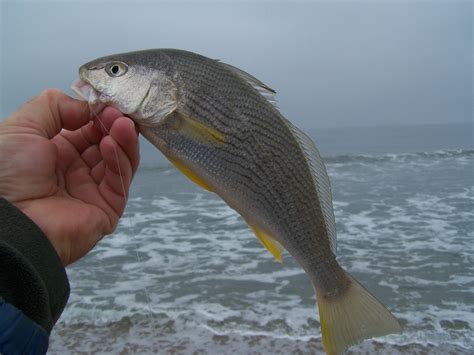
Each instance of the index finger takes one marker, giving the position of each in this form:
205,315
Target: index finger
50,112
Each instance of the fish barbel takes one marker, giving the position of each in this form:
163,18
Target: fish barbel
220,127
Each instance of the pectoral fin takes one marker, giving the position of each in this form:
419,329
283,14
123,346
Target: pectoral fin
268,242
191,127
197,131
189,173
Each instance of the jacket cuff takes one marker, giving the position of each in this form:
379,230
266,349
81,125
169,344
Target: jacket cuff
32,277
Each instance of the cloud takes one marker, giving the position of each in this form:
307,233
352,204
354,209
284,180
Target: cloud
333,63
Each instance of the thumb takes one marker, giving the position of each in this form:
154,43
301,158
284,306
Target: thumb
50,112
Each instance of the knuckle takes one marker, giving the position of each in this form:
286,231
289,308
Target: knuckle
111,225
50,94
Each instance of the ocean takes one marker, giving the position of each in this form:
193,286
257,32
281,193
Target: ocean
183,274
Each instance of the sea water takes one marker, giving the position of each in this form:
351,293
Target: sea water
183,274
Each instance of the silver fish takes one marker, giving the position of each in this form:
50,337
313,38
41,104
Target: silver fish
220,126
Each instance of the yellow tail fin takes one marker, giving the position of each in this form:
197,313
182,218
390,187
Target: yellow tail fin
353,317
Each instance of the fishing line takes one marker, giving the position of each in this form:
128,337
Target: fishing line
147,295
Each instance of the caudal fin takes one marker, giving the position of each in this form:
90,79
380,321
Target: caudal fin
353,317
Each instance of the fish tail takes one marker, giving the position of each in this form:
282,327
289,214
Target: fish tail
353,316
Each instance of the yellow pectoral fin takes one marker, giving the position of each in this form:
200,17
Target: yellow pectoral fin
199,131
189,173
268,242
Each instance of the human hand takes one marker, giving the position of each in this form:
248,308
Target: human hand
65,172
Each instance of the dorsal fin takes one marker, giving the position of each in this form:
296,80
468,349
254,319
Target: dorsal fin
264,90
320,179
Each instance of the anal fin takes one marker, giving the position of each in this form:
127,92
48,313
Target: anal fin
268,242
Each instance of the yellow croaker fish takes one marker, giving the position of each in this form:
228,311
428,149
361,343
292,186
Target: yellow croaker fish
221,128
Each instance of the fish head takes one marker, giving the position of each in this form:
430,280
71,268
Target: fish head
135,83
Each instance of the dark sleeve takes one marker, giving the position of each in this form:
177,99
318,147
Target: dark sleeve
32,278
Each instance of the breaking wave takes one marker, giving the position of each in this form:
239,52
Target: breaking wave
183,273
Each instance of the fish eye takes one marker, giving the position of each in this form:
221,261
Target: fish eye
115,69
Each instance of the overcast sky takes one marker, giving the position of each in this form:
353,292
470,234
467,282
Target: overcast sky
333,64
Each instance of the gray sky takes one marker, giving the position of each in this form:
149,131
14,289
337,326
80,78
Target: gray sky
333,64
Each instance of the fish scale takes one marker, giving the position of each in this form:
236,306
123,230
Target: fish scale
311,247
258,111
221,128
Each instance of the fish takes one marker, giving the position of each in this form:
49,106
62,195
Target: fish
221,127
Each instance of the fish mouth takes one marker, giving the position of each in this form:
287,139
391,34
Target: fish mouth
86,92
